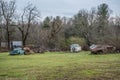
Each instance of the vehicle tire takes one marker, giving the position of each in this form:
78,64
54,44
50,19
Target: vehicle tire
100,52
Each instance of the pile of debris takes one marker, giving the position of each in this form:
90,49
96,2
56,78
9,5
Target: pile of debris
3,49
28,50
38,49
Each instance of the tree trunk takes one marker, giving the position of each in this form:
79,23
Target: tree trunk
0,44
8,36
0,39
23,41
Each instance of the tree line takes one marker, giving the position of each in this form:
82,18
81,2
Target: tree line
95,26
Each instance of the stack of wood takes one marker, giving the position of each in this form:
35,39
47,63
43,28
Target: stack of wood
28,50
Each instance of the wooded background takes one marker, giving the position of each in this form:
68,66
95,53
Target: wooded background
95,26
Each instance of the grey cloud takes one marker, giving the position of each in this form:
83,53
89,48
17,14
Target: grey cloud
67,7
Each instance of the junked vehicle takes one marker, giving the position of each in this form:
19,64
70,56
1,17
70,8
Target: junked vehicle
17,51
75,48
101,49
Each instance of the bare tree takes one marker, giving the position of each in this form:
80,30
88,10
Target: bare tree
0,27
29,15
92,25
55,29
116,36
8,11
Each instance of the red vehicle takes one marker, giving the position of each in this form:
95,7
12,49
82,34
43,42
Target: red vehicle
101,49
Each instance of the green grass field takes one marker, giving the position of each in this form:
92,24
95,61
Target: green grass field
60,66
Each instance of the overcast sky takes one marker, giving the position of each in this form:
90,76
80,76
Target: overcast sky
67,7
